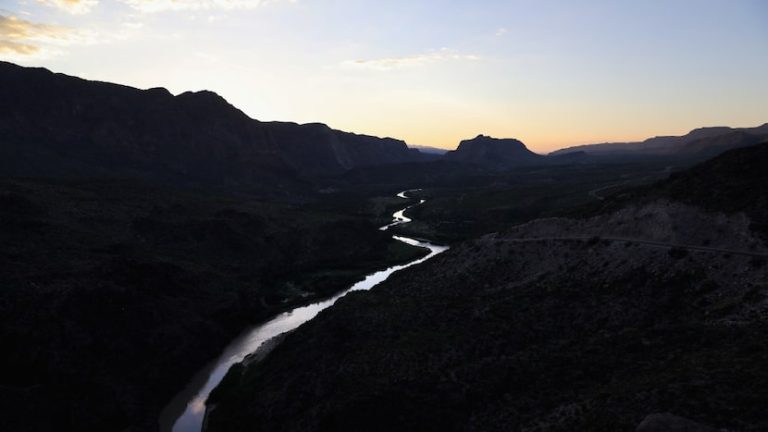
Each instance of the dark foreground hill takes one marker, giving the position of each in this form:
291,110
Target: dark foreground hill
733,182
556,325
55,125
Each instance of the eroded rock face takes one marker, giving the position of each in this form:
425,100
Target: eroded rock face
671,423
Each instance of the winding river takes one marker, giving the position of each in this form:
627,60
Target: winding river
186,411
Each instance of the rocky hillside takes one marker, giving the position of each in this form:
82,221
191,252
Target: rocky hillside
57,125
493,152
734,182
657,306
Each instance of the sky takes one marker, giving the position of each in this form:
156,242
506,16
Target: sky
552,73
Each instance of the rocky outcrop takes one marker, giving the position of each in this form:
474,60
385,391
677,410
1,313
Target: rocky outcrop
731,183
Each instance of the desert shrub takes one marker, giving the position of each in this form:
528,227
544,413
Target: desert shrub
678,252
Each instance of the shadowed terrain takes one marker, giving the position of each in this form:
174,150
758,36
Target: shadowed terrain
554,325
114,293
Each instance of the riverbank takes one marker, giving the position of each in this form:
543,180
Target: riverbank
186,414
145,285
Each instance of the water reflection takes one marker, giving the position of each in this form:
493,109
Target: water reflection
399,217
185,413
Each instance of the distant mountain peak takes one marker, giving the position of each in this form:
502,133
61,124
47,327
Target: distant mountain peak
160,91
207,96
493,152
497,144
482,137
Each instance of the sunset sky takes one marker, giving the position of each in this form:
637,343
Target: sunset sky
552,73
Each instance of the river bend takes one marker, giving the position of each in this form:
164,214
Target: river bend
186,411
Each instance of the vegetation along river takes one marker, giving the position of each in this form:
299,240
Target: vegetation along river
185,413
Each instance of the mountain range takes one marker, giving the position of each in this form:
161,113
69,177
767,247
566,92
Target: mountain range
701,143
53,124
56,125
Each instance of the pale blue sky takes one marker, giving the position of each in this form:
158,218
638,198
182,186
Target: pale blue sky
550,72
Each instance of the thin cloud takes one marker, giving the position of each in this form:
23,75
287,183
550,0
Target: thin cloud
12,49
196,5
501,31
21,39
17,29
72,6
390,63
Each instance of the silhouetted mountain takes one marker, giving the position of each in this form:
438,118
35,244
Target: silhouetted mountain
699,143
57,125
493,152
429,150
715,145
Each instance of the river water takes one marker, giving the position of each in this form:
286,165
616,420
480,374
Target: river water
186,411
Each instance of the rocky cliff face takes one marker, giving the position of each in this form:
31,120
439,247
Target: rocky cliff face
493,152
317,150
52,124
